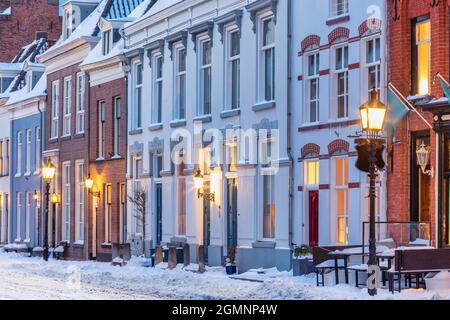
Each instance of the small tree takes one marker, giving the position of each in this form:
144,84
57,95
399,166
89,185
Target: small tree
138,199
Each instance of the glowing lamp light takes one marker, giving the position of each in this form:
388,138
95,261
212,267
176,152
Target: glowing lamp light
36,196
48,171
373,113
55,198
89,183
198,180
423,159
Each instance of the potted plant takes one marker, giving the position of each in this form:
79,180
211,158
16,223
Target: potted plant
302,261
230,262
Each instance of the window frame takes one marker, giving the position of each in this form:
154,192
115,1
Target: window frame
108,213
416,87
101,120
65,201
136,116
339,71
336,188
80,108
334,12
54,128
80,201
67,107
19,153
117,115
157,101
179,112
262,49
202,39
230,59
28,152
38,150
309,78
106,41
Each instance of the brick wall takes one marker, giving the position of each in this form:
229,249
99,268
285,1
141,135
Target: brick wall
109,171
27,17
398,194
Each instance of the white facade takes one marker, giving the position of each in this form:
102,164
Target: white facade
5,124
326,98
169,33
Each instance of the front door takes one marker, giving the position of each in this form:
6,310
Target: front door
158,202
231,213
313,218
206,221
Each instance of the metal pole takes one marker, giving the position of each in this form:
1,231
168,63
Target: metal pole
47,198
372,197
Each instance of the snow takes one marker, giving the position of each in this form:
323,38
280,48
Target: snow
420,242
157,7
23,94
32,278
6,12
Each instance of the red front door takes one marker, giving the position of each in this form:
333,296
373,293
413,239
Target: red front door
313,218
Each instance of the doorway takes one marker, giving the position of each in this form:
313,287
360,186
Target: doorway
206,221
313,218
231,214
158,202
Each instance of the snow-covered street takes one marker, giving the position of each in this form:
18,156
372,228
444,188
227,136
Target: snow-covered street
32,278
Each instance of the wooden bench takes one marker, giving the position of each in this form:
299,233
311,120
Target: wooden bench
324,263
417,262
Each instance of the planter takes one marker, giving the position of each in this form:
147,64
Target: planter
302,266
436,281
231,270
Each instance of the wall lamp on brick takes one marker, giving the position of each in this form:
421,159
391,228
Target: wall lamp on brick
89,183
423,158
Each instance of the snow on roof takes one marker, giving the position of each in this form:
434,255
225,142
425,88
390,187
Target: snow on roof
6,12
23,94
5,66
122,8
29,52
157,7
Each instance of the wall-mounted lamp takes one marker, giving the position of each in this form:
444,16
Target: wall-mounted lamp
36,196
89,183
198,183
55,198
423,158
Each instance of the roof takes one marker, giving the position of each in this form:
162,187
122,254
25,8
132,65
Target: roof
159,6
122,8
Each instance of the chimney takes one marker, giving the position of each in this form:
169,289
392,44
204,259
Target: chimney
4,4
41,34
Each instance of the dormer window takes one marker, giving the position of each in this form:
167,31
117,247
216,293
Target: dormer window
106,41
67,24
29,81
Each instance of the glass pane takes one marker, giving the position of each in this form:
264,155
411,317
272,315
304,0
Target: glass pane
235,87
268,32
423,31
339,172
269,74
235,47
313,90
423,67
182,60
369,51
378,49
159,67
207,91
345,57
139,74
206,53
182,95
339,58
311,65
159,102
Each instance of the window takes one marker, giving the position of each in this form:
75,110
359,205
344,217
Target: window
80,102
339,7
422,57
19,217
37,159
181,200
341,76
158,88
27,216
312,173
7,158
80,200
28,152
66,201
180,83
5,82
137,171
341,193
55,110
205,78
19,153
106,42
269,206
2,172
267,63
157,165
137,105
312,91
232,156
234,70
101,130
67,106
373,64
67,24
117,117
122,223
108,211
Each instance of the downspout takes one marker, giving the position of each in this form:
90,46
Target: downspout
289,124
40,180
90,206
125,209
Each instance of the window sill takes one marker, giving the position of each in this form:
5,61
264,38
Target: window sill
116,157
155,127
65,138
266,105
264,244
203,118
338,19
177,123
27,174
52,140
79,135
230,113
106,245
36,173
17,175
135,132
100,159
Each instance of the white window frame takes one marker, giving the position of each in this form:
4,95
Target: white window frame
336,215
201,103
38,148
137,185
54,131
306,164
157,100
181,206
262,49
337,72
107,41
334,8
368,65
230,60
27,217
101,114
28,152
19,153
80,201
67,106
117,117
179,112
136,115
267,173
108,213
80,103
19,217
308,80
66,202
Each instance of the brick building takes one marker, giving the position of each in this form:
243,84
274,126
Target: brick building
418,49
21,19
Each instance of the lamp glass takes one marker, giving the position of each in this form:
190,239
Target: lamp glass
89,183
198,180
54,198
373,114
48,171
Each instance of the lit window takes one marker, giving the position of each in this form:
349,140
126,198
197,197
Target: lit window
205,78
341,194
2,172
67,106
268,59
312,173
233,70
80,200
55,110
180,83
269,206
108,212
158,87
312,82
80,102
423,45
181,200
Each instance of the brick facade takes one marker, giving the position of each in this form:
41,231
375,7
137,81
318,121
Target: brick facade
27,17
400,36
111,170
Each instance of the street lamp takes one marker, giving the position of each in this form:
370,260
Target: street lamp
198,183
370,150
48,173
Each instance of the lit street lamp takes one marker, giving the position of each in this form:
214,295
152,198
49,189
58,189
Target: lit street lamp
48,173
370,158
198,183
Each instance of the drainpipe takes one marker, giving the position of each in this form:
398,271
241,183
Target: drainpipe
125,209
289,124
40,180
87,82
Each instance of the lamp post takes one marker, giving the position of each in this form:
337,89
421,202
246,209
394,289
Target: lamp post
370,150
48,173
